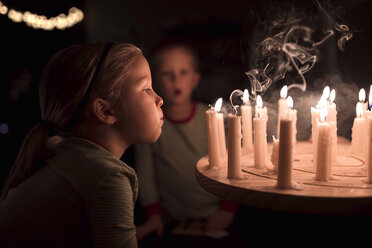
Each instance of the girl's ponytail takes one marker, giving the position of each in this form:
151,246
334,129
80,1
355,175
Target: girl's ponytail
29,158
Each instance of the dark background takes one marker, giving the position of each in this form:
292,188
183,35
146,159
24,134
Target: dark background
224,32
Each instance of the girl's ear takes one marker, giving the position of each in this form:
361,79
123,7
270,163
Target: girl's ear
103,111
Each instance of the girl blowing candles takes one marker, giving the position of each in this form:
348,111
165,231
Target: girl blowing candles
68,186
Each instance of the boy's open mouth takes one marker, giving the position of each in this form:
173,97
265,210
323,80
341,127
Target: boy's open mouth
177,92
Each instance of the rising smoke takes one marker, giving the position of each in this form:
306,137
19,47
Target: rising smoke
290,47
285,46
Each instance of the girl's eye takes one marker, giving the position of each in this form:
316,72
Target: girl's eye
148,90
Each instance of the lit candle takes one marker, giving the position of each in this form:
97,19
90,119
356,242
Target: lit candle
285,153
315,114
326,92
292,114
246,111
369,146
332,119
324,149
221,128
260,142
213,142
331,107
282,105
262,111
358,130
362,99
367,113
234,146
275,154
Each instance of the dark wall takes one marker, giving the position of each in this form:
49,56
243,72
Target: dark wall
24,53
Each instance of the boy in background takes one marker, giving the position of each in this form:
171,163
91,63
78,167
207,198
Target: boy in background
168,191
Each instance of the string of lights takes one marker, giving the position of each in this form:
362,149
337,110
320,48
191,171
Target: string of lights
61,21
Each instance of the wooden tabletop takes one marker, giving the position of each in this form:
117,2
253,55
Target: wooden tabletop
347,193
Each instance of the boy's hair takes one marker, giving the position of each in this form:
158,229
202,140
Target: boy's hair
158,50
64,83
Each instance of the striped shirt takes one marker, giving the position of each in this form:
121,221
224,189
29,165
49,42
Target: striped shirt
82,197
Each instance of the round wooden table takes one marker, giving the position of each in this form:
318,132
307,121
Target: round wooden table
347,193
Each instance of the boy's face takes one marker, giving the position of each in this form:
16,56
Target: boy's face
142,118
176,76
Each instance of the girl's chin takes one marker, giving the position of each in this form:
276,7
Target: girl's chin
154,137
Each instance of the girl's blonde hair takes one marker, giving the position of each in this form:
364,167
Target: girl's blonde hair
64,83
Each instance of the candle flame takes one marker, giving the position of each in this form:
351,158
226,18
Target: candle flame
370,97
326,92
259,102
359,109
321,102
218,105
332,96
362,95
284,91
290,102
246,96
323,114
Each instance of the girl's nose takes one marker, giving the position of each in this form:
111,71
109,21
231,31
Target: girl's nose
159,100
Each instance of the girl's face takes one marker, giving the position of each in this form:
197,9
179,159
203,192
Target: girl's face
141,118
176,77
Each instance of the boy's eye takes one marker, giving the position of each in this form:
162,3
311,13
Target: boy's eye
166,73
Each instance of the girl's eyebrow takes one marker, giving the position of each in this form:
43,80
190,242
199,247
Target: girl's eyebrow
143,79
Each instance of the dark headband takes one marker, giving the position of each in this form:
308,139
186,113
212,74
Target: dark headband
85,99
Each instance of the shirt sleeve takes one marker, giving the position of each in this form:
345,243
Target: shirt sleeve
145,168
111,213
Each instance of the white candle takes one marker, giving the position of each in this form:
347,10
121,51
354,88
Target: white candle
285,154
234,146
332,119
246,111
315,114
292,115
260,142
367,113
333,127
275,154
213,143
358,130
369,146
282,105
324,149
221,128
